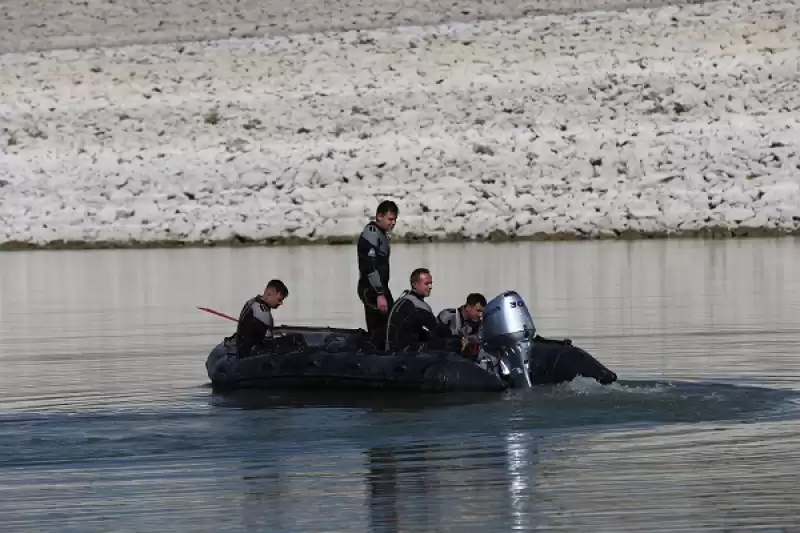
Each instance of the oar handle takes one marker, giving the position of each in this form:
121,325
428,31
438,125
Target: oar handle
223,315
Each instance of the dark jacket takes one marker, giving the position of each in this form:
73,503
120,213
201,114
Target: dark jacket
412,325
255,326
458,325
373,264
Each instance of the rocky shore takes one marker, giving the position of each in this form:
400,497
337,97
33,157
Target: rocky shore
672,120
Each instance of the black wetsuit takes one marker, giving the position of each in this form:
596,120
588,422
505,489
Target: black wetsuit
471,330
255,326
413,326
373,277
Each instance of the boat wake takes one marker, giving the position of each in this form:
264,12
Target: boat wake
584,401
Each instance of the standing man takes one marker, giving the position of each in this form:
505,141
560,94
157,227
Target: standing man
373,268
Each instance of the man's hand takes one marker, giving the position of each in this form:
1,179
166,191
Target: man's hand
469,348
383,305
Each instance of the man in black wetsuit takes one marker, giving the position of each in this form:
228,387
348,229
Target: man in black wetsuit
373,269
255,320
412,324
467,320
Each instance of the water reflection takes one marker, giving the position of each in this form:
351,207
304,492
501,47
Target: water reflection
438,486
376,463
520,461
383,491
264,495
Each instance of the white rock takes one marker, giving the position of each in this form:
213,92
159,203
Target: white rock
644,209
255,179
536,225
781,192
522,218
107,215
615,221
676,211
736,215
354,226
146,211
761,219
327,228
736,196
180,227
454,225
119,196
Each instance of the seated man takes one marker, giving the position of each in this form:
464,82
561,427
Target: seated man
412,325
255,320
467,320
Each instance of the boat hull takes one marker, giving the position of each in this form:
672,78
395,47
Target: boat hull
342,358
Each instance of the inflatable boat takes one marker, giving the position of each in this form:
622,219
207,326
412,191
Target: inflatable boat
512,355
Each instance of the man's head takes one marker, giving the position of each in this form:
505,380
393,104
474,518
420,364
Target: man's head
275,293
421,282
473,307
386,215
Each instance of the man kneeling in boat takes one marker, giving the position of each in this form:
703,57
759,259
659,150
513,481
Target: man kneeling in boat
254,333
412,326
466,320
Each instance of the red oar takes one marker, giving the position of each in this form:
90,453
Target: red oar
223,315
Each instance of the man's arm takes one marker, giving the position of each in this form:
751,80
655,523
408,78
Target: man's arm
368,244
476,336
447,318
263,319
396,325
437,328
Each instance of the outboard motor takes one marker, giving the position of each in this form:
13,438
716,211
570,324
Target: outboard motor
508,333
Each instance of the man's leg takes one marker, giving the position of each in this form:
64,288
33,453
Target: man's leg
382,320
374,319
389,303
447,344
376,325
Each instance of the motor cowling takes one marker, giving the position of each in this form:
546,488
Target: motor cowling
508,333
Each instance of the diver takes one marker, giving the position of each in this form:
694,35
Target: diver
373,269
467,320
411,323
254,333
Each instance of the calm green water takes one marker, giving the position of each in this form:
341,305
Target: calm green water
107,422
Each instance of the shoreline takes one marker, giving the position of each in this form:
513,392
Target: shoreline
712,233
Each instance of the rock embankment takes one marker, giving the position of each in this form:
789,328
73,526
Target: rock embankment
664,120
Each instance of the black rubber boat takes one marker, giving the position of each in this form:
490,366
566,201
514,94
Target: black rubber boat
512,356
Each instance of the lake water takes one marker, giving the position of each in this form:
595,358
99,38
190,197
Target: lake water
107,422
